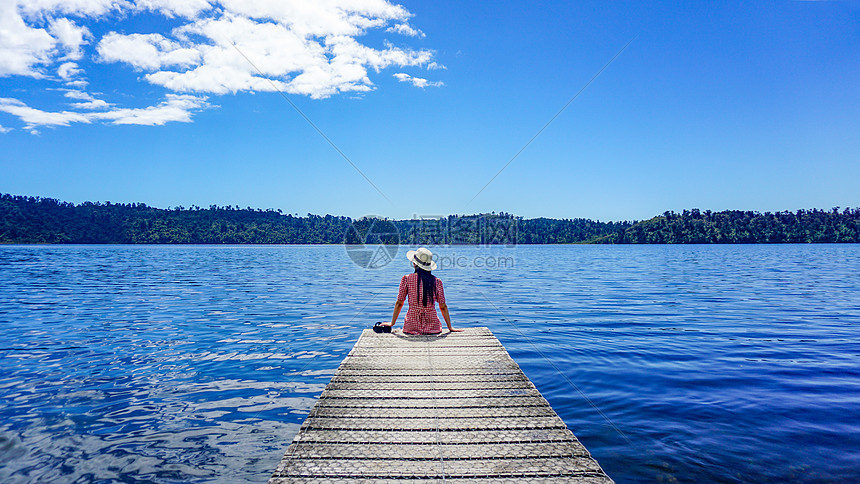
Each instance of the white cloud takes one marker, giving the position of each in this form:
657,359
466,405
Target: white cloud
70,36
35,117
79,95
94,105
22,48
310,48
175,108
81,8
320,18
171,8
68,70
242,54
417,81
406,29
4,130
91,103
26,47
146,51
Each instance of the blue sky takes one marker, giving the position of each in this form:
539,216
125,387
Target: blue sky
714,105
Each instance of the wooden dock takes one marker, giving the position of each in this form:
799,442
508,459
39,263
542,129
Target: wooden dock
451,408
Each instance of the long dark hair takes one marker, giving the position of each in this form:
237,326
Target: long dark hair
426,281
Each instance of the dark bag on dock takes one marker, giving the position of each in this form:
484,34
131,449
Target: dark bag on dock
379,328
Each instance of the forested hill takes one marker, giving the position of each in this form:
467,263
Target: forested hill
27,220
44,220
740,227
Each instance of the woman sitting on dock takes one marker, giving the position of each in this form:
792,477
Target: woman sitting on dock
422,289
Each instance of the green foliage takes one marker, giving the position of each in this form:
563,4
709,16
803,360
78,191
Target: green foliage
742,227
47,221
566,231
44,220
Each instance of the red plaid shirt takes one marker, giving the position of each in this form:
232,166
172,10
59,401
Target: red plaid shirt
420,319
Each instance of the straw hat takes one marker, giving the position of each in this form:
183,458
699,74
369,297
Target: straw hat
422,258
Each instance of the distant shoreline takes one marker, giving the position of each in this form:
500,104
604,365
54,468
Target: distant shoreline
35,220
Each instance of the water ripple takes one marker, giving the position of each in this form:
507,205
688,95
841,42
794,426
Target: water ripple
198,364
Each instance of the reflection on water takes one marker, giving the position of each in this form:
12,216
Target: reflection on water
198,364
161,364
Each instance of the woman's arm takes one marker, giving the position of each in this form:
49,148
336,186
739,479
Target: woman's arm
397,307
401,298
444,308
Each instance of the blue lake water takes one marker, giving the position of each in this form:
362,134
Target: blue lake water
198,364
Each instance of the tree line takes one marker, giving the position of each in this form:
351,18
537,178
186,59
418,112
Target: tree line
742,227
29,220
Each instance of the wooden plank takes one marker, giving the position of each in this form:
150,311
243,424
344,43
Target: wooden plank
441,408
